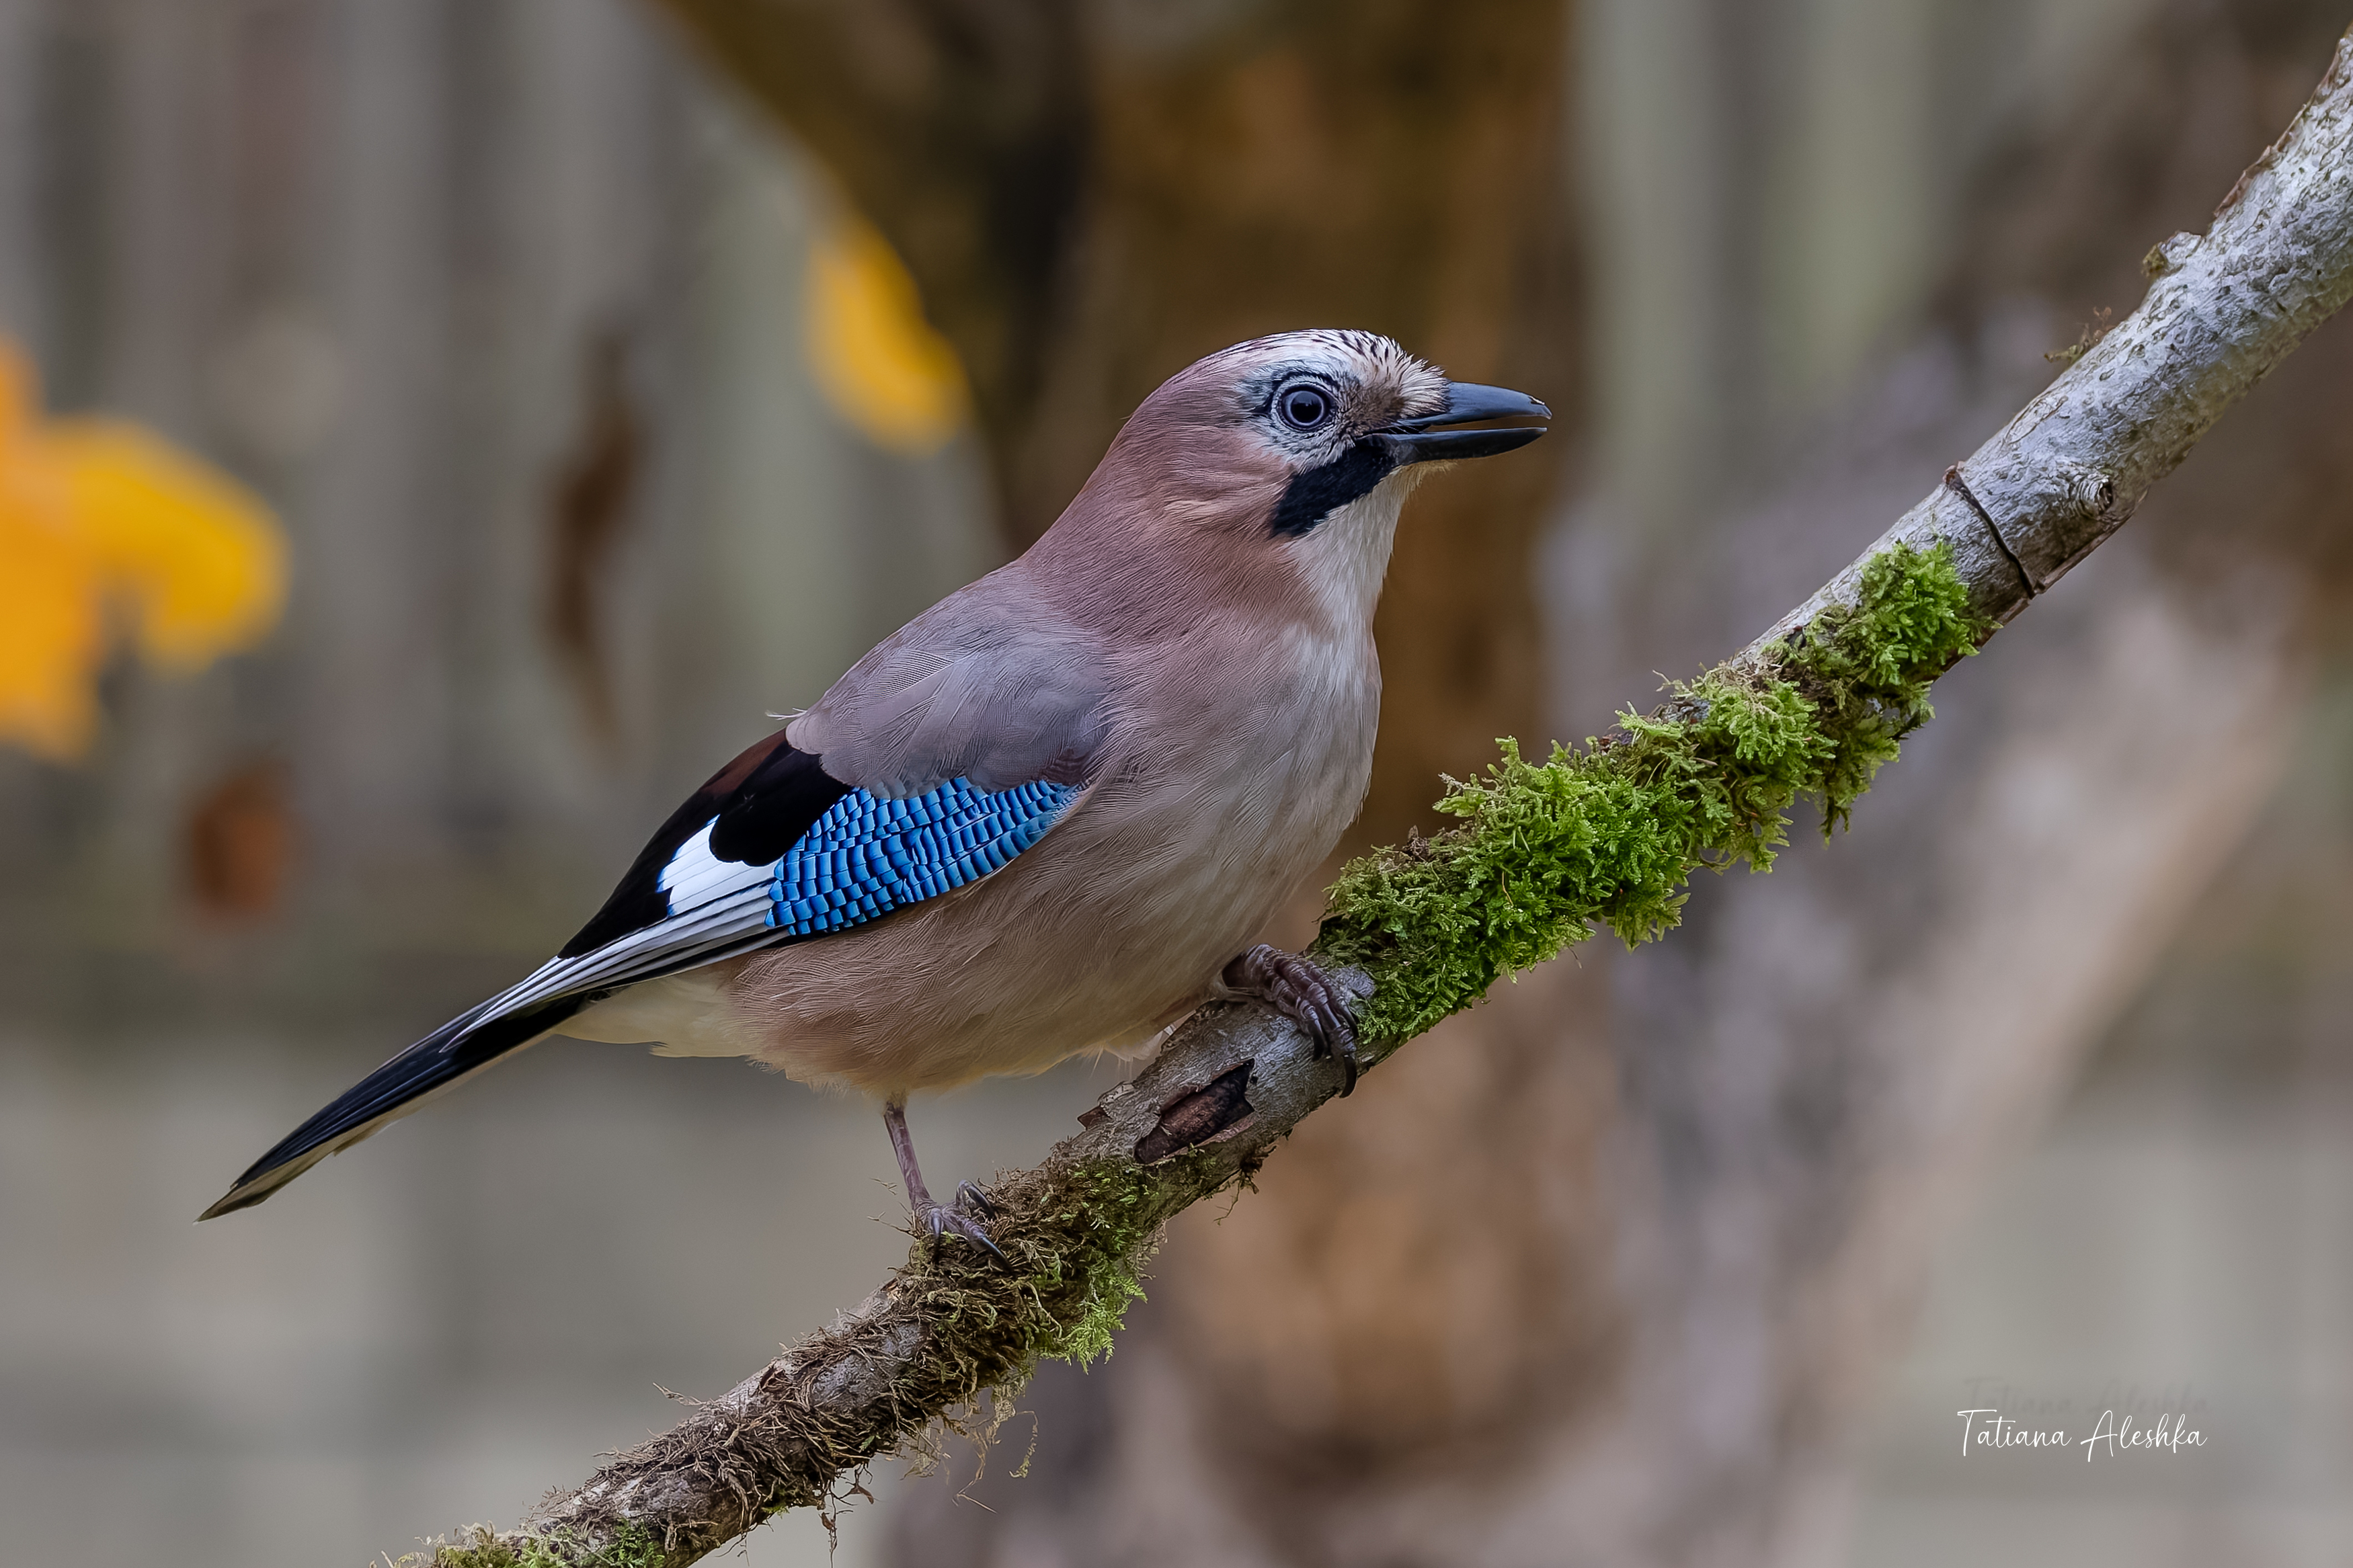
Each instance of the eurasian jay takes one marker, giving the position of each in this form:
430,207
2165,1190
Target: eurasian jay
1046,815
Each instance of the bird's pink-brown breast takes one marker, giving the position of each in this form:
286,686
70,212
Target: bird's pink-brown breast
1226,774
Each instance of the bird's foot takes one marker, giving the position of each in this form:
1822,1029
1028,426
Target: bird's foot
961,1216
1298,988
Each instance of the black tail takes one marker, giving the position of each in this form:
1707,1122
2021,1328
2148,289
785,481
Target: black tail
456,1050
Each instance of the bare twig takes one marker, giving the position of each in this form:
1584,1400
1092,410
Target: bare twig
946,1331
2224,308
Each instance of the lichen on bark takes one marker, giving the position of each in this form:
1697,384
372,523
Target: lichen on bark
479,1548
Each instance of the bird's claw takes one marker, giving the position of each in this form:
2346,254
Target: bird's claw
941,1219
956,1214
1298,988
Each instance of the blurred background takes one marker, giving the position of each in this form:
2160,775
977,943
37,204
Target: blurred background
434,434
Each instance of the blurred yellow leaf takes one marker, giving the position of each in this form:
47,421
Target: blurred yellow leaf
198,555
50,641
101,524
874,355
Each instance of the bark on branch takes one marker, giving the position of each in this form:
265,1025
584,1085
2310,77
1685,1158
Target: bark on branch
947,1331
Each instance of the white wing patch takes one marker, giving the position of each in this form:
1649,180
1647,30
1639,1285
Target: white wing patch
695,876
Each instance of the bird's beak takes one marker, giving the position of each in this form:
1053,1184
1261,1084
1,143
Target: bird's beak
1420,440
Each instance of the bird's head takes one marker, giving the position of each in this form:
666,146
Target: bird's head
1296,451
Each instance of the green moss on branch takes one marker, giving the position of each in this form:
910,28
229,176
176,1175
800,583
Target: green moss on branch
1608,834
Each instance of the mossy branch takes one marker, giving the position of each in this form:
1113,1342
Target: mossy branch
1541,855
1609,834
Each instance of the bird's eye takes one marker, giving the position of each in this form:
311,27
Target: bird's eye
1303,407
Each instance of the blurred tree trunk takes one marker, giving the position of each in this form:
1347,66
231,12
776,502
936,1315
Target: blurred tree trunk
1092,197
1602,1276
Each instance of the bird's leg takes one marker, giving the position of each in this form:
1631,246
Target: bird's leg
938,1218
1299,990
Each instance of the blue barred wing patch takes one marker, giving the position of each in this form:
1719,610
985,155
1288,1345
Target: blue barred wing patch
867,855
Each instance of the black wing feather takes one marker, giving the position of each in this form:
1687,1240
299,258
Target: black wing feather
763,802
452,1052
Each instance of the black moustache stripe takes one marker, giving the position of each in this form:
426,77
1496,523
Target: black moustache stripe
1312,496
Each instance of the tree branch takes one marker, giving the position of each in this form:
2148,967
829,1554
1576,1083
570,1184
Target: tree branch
1606,834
